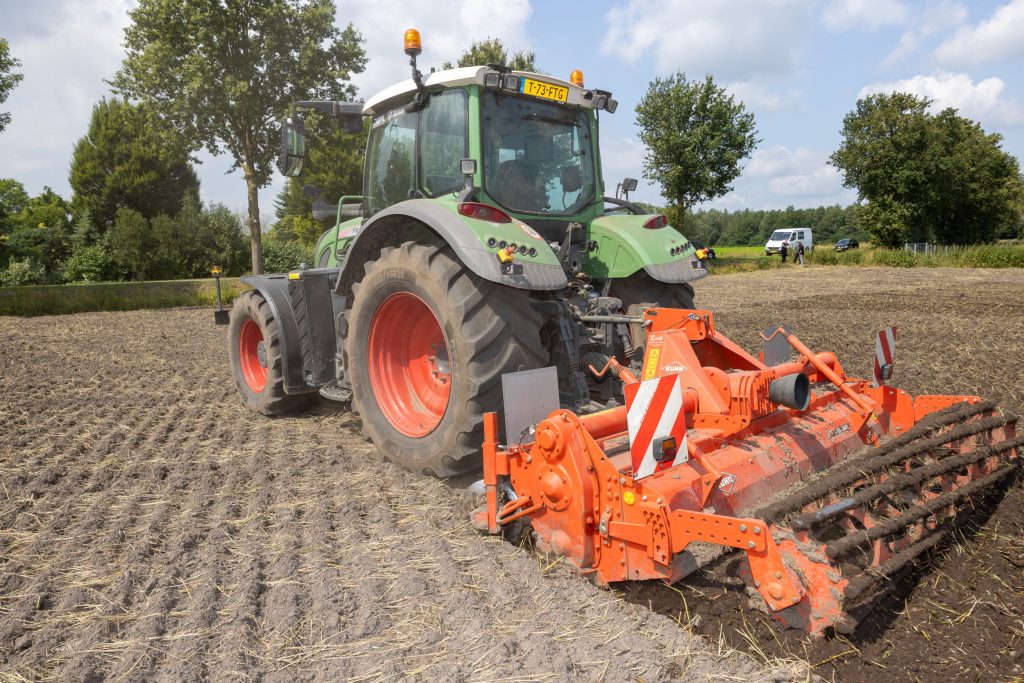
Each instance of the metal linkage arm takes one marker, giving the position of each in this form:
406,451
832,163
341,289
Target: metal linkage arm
776,584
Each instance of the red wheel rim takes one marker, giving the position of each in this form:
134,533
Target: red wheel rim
409,363
252,355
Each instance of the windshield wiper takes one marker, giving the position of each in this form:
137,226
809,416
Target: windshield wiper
549,119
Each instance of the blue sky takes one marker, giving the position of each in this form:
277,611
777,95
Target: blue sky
798,66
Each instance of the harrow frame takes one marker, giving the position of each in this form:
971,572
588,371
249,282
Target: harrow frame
757,476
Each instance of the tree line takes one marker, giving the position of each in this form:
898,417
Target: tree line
220,80
715,227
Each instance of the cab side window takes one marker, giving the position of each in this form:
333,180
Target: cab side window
443,142
391,159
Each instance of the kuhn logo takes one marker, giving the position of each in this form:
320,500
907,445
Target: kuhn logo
674,368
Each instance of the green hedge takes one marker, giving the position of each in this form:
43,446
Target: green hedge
980,256
114,296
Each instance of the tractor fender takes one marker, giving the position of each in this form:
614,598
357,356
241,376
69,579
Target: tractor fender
305,309
427,219
624,246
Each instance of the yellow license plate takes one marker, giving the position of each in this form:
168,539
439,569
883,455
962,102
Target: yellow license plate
545,91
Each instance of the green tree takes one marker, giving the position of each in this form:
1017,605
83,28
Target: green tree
695,136
926,177
131,244
190,243
492,51
885,156
88,264
976,186
8,78
129,157
13,199
22,272
224,72
301,229
42,230
284,255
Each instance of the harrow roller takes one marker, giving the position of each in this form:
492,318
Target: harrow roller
881,511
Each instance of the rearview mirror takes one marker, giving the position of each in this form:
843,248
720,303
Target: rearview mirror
293,147
352,123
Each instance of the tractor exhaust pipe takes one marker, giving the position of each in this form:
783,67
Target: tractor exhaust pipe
792,391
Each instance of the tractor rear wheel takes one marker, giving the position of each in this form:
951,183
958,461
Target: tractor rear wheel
428,343
254,346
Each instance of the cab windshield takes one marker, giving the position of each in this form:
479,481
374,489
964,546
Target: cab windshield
779,235
537,156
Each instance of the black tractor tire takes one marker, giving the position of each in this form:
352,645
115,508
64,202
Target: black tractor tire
641,289
251,308
489,330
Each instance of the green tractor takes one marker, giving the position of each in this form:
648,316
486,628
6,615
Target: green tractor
483,245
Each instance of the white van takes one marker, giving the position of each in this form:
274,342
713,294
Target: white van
791,235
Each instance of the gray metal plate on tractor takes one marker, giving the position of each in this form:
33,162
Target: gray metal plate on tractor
529,397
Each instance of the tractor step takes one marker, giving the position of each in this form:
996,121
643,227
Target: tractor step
333,391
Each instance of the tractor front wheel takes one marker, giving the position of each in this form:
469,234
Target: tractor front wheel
643,290
428,343
640,291
254,346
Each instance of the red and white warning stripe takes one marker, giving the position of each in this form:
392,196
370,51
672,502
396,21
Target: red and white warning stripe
885,350
654,410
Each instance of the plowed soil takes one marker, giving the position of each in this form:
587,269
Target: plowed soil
152,529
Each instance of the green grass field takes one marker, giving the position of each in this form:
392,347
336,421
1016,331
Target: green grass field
738,252
1002,255
114,296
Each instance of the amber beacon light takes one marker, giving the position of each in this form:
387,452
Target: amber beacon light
576,78
413,47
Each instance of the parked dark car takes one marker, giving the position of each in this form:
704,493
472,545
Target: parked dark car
846,243
698,246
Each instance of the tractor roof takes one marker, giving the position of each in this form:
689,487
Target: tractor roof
402,92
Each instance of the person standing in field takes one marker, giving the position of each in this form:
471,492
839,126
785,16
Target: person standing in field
784,250
798,252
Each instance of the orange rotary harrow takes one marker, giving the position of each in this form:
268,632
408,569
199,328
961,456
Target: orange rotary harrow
831,485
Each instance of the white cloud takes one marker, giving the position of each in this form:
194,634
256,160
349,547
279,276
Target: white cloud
843,15
794,173
930,19
68,47
983,100
996,38
623,157
757,95
446,33
64,60
733,41
778,176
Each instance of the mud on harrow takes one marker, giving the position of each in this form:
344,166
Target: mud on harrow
829,485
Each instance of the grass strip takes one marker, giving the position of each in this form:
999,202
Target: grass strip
114,296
